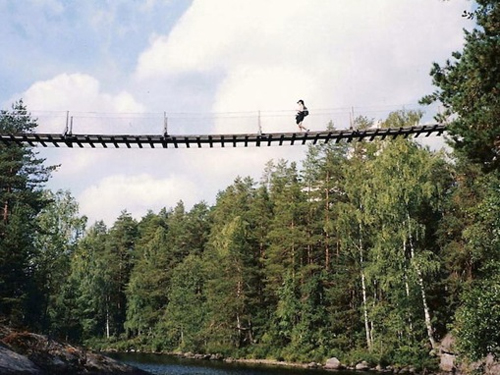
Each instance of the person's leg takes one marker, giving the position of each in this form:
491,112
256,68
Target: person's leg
299,119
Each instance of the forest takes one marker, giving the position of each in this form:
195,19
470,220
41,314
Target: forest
366,250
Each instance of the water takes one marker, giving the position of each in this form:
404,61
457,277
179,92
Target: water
171,365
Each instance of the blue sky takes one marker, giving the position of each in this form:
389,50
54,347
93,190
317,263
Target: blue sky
211,65
42,38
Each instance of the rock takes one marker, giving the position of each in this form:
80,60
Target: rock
363,365
380,368
447,354
333,364
13,363
447,344
34,354
447,363
492,367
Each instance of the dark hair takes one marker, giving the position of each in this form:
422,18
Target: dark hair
301,101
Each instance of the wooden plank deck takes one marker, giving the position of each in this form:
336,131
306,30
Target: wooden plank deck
245,140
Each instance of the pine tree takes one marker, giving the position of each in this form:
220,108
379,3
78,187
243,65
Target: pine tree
233,267
186,313
60,230
22,176
469,89
147,289
119,256
88,289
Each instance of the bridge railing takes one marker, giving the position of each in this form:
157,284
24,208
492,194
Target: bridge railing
243,122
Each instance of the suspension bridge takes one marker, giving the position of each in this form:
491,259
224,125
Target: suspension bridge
210,140
90,132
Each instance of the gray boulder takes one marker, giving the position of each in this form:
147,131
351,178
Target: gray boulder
333,364
24,353
13,363
447,354
447,362
363,365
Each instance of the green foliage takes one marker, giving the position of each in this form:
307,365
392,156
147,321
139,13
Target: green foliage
60,229
365,253
185,315
476,321
478,316
22,177
469,87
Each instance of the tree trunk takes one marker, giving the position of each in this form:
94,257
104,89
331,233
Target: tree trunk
327,221
107,318
427,315
363,289
407,289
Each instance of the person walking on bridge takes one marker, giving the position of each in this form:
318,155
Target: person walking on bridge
302,112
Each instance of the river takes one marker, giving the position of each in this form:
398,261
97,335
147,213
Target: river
171,365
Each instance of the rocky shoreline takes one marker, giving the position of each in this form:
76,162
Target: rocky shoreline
449,363
24,353
331,364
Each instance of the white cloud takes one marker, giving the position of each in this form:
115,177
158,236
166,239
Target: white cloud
334,54
241,56
137,194
339,56
82,96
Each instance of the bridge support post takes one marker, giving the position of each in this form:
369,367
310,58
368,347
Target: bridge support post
165,124
66,129
259,124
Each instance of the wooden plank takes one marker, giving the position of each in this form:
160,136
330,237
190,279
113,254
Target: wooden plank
316,139
384,133
16,140
395,132
30,141
92,145
362,134
86,140
328,137
305,138
282,137
433,128
375,133
339,137
51,139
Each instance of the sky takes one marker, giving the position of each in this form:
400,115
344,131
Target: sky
209,67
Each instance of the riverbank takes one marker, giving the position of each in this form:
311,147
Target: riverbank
331,364
24,353
447,363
